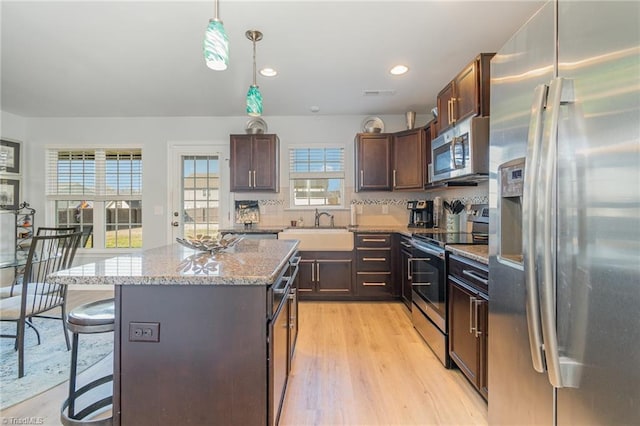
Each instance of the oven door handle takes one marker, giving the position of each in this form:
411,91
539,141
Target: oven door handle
428,251
282,286
420,284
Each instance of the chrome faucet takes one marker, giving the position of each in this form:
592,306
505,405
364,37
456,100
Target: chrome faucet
318,214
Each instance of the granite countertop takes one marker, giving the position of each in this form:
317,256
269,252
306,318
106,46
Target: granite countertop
250,262
479,253
253,229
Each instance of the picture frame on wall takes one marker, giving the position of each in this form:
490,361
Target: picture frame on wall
9,156
9,194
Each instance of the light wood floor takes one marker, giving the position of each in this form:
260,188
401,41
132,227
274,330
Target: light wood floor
355,364
364,364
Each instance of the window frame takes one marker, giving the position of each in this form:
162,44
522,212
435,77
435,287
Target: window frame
99,200
342,175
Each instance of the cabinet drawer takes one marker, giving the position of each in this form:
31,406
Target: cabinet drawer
372,260
373,240
473,273
371,284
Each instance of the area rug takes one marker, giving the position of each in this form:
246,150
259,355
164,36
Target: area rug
47,364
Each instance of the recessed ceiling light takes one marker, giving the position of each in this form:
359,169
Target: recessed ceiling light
314,108
268,72
399,69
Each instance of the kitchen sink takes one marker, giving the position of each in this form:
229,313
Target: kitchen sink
320,239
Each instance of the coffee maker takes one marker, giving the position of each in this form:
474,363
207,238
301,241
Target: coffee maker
420,214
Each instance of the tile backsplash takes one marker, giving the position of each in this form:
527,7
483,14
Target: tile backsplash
373,208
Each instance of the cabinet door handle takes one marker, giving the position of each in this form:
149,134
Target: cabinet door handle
361,177
254,178
373,284
478,331
409,269
472,304
318,272
449,111
373,240
250,179
405,244
394,178
313,273
453,110
374,259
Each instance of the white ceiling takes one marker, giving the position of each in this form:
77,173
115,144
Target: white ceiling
127,59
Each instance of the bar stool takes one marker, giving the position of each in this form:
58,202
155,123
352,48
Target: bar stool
90,318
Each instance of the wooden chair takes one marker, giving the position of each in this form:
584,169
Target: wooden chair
47,254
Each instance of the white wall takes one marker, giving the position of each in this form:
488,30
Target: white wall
14,128
154,135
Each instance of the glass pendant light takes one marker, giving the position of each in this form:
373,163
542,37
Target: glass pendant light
254,97
216,44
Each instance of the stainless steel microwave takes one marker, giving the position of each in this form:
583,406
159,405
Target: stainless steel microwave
462,152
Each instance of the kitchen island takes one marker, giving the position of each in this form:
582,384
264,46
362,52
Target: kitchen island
199,339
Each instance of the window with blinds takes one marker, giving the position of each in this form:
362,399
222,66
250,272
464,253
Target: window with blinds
316,176
100,192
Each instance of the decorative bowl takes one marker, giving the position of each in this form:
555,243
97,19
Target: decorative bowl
211,244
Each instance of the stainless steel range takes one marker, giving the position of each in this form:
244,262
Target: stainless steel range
428,274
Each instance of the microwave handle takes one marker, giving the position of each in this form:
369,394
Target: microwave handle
452,148
452,152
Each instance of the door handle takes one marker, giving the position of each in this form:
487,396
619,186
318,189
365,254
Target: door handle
175,223
476,316
559,90
472,303
394,178
532,162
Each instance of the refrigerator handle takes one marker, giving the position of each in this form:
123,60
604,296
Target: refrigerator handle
559,92
529,230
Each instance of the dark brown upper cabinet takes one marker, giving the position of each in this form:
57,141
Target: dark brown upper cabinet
467,94
374,157
409,159
254,163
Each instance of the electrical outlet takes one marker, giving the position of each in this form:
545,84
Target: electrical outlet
144,331
385,209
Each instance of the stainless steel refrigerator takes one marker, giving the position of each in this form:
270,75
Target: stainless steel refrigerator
564,246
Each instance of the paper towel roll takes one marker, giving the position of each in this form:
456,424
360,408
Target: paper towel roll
354,216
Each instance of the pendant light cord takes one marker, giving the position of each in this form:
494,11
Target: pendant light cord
215,11
254,62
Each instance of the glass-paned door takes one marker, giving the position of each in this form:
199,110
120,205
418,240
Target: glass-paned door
199,204
200,195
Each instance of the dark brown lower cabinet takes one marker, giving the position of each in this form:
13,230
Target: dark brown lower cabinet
222,355
468,327
405,270
325,275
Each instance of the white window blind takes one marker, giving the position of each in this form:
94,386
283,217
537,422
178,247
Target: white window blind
316,176
95,173
309,163
98,191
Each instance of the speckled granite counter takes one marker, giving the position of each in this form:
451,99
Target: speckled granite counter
479,253
250,262
254,229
